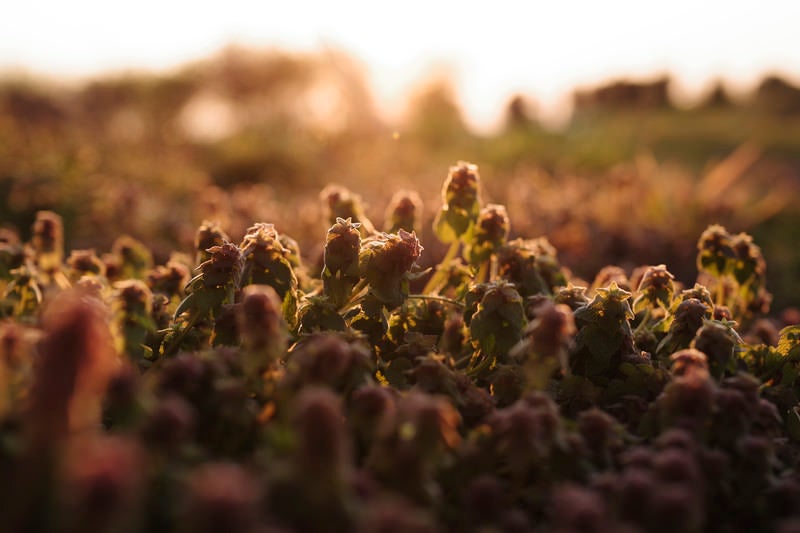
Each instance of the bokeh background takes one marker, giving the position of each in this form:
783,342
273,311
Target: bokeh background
619,129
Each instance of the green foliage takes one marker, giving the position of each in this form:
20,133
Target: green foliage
260,396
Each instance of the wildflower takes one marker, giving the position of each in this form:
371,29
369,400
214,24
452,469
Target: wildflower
48,241
461,203
341,271
405,208
266,260
342,203
488,234
385,263
75,360
262,327
208,235
655,289
135,258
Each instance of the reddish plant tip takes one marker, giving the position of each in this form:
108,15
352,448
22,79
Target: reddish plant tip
689,362
86,262
323,446
76,357
494,222
225,265
403,211
104,475
134,296
209,234
222,497
48,231
463,175
342,244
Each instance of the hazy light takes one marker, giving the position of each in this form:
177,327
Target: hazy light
493,49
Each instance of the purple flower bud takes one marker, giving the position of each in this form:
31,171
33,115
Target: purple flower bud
48,241
75,360
208,235
83,262
224,266
168,279
574,508
222,497
689,362
263,330
323,446
404,210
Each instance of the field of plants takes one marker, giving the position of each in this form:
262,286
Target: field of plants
232,298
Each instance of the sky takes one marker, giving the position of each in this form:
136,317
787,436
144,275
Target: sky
491,49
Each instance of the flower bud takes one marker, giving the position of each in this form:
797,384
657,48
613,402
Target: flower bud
168,279
715,251
48,241
263,330
224,267
266,260
75,360
222,497
461,203
689,362
655,289
718,341
103,482
341,271
488,234
135,258
83,262
385,263
208,235
574,508
342,203
404,210
323,447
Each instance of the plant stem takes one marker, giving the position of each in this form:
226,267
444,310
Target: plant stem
440,272
354,296
436,298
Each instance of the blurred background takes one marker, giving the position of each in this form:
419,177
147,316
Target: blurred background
618,129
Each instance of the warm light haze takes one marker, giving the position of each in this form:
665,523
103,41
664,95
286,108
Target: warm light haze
491,50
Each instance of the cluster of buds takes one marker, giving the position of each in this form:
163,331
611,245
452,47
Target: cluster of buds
385,262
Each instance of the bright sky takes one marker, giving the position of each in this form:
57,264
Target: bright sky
542,48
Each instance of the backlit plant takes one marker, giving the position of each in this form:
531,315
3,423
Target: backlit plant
494,391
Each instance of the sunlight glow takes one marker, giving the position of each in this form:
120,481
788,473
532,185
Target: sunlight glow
492,50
